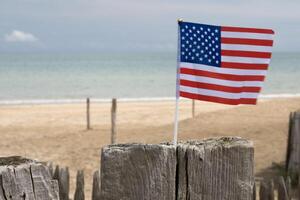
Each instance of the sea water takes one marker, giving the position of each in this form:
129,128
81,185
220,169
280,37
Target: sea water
121,75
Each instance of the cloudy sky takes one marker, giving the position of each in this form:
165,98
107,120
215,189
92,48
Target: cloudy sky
134,25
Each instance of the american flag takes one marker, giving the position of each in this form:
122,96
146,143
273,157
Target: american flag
223,64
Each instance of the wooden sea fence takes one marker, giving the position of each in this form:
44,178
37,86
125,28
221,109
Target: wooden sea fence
63,178
208,169
269,189
113,118
211,169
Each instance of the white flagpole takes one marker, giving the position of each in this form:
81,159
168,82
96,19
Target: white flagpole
177,87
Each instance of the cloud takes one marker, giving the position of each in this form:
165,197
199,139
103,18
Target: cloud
20,36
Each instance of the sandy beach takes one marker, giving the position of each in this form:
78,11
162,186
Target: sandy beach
57,132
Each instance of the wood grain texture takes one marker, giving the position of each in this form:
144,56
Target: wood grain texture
45,188
26,179
212,169
23,177
138,171
218,168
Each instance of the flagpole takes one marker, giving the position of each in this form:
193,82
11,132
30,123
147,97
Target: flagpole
177,87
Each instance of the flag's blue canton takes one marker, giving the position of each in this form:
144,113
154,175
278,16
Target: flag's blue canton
200,44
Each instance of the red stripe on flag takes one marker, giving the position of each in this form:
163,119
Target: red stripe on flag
249,30
252,54
219,87
218,99
230,77
244,66
247,41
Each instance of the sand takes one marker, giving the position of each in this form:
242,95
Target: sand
57,133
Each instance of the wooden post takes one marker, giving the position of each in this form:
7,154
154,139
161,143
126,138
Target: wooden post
282,190
193,108
79,192
293,147
254,192
213,169
289,142
298,188
138,171
26,179
96,186
217,168
266,190
88,126
113,120
56,173
50,167
288,184
63,178
64,183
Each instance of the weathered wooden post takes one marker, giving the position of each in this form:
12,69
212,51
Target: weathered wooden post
64,183
138,171
79,192
266,190
293,147
298,188
63,178
288,184
56,173
113,120
193,108
96,186
282,190
254,191
217,168
212,169
88,126
50,167
26,179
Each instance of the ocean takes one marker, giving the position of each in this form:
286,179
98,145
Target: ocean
25,77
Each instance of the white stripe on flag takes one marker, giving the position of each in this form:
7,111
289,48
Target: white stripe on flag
215,93
223,70
221,82
261,36
242,47
245,60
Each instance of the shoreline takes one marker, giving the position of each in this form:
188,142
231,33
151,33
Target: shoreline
134,100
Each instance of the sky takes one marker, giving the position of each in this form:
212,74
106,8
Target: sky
134,25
